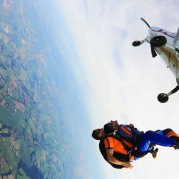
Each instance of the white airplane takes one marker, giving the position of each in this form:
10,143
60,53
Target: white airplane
165,44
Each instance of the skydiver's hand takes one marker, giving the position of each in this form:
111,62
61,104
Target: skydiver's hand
131,125
127,165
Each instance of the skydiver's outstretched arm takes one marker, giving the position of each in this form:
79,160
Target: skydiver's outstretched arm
112,159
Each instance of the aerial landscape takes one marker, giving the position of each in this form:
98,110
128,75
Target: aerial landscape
68,67
29,147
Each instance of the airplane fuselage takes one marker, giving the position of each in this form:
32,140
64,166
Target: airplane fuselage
168,52
165,44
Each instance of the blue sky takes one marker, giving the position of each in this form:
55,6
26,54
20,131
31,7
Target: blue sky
118,81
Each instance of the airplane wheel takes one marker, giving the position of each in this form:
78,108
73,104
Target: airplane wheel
136,43
158,41
163,98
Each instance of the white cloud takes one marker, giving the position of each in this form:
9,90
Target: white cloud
123,82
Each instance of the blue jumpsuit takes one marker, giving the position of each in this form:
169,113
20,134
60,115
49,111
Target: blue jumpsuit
157,138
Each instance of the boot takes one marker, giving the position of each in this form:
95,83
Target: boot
176,140
154,153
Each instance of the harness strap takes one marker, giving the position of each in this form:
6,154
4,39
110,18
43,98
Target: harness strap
126,147
108,143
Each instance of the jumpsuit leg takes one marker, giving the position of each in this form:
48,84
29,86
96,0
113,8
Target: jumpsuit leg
153,137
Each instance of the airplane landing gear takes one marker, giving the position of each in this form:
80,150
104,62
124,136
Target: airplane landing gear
136,43
163,98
